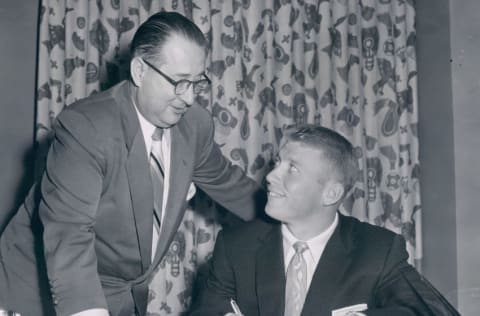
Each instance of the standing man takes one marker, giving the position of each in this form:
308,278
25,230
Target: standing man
314,261
116,181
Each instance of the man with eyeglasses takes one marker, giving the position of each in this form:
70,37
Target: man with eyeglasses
116,182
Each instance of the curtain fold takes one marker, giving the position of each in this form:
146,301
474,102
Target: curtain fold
345,64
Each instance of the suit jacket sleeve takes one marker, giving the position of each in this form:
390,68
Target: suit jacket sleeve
219,287
222,181
71,188
401,290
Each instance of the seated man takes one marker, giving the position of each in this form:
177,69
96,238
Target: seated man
315,261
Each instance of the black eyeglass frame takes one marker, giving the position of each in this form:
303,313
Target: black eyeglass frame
178,83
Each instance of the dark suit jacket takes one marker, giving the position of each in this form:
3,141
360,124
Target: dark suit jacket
96,207
361,263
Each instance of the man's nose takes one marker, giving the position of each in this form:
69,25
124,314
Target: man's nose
188,96
271,176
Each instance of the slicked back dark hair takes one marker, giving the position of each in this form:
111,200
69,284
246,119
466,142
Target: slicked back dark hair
152,35
334,147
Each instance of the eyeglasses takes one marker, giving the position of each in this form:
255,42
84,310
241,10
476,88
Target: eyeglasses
181,86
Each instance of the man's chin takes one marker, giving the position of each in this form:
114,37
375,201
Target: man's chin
271,211
177,117
171,122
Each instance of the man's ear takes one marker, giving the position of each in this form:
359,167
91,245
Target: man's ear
137,70
333,193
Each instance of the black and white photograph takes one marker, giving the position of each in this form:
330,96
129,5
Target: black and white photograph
239,157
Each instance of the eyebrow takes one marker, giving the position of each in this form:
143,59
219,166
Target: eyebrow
290,159
293,161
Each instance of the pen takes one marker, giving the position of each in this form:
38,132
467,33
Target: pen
235,307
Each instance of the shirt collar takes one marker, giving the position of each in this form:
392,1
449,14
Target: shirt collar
146,127
315,244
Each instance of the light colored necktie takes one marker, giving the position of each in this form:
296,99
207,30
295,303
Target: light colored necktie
296,286
157,177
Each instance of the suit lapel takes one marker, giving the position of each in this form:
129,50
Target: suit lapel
180,175
138,174
329,272
270,274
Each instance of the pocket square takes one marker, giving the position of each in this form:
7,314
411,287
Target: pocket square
349,310
191,191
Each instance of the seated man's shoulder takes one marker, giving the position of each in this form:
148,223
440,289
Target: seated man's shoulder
248,232
368,233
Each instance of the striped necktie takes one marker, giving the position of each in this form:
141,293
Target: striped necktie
296,285
157,174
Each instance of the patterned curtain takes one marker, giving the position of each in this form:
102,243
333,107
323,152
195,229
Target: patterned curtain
346,64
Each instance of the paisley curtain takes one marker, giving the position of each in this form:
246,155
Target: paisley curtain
345,64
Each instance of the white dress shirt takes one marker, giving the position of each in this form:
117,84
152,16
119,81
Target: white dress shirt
147,129
312,255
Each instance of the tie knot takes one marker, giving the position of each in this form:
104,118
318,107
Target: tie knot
157,134
300,247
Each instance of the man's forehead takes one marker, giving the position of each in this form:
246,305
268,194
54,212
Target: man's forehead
179,44
183,56
294,148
